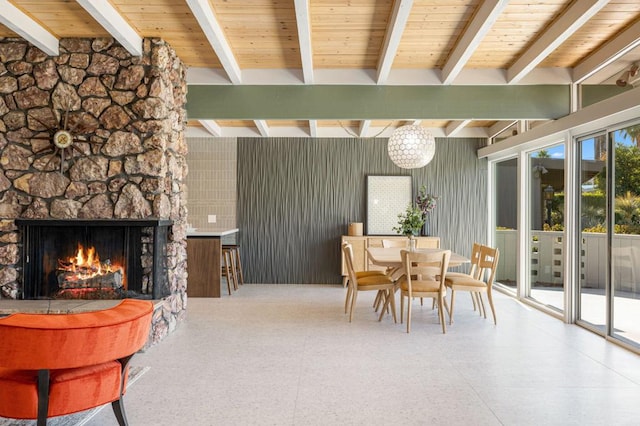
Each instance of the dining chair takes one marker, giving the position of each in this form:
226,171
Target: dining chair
419,281
482,283
473,271
378,282
404,243
359,274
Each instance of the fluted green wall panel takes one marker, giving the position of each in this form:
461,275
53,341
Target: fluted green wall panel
296,198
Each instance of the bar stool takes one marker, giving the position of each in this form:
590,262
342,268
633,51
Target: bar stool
235,261
228,268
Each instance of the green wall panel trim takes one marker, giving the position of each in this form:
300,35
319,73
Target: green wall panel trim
296,198
332,102
592,94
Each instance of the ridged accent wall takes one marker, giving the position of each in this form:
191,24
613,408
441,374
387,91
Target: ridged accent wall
296,198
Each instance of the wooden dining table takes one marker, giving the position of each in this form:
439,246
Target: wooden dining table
390,257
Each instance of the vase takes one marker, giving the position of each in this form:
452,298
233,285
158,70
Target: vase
412,243
425,227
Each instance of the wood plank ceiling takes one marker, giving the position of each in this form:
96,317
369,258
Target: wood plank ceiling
374,42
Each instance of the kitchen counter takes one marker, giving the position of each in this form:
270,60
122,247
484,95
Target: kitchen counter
204,251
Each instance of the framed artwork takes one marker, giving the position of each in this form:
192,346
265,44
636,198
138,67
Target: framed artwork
387,196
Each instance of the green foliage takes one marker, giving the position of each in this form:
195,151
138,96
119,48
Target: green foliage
410,222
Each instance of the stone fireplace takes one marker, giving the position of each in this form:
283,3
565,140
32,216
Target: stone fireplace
126,160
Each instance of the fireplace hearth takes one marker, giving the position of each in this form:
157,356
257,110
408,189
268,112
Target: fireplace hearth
94,259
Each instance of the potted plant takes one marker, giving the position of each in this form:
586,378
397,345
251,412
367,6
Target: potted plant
410,223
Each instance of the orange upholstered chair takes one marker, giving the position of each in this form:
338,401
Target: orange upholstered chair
57,364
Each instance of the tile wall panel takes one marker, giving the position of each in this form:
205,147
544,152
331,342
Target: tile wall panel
211,182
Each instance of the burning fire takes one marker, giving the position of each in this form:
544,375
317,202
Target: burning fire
84,266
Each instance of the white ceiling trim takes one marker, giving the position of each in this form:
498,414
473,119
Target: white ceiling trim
263,127
454,127
477,29
304,37
206,18
18,22
212,127
623,43
395,29
111,20
567,24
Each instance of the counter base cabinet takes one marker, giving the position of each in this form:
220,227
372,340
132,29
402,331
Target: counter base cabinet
361,260
203,266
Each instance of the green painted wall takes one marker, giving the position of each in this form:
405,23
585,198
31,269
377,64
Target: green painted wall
296,198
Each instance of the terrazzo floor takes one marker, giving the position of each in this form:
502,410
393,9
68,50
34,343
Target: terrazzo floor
287,355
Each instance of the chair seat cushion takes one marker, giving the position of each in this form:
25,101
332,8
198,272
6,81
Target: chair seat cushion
362,274
464,282
71,390
457,275
420,286
374,280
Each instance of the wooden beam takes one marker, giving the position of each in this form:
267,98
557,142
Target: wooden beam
263,128
364,128
18,22
212,127
613,50
567,24
304,39
206,18
483,20
455,127
111,20
499,127
397,24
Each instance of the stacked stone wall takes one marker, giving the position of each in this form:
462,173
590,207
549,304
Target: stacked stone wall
128,160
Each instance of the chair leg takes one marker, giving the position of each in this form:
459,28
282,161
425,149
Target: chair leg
239,266
409,314
347,299
354,296
441,313
493,309
43,397
483,310
401,308
473,299
118,410
225,256
453,295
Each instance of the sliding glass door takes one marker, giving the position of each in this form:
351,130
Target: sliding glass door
592,247
505,190
546,248
625,244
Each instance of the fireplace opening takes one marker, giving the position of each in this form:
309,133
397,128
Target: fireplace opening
100,259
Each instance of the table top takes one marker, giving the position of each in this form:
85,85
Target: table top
390,256
216,234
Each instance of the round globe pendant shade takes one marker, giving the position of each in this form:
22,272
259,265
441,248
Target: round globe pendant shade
411,147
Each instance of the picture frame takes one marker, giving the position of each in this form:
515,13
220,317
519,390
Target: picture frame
387,196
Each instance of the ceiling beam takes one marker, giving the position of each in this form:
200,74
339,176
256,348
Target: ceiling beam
313,128
395,29
111,20
613,50
206,18
483,20
358,102
18,22
304,39
212,127
263,127
364,128
499,127
561,29
455,127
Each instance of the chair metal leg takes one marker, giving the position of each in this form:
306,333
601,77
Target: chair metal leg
118,410
43,397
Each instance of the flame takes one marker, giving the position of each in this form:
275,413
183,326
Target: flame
86,264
